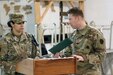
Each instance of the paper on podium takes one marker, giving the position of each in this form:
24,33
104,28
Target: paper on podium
25,66
60,46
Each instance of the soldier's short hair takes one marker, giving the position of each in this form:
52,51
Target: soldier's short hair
76,11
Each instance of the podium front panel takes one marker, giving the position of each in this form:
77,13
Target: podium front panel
55,66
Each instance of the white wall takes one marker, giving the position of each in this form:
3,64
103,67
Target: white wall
99,11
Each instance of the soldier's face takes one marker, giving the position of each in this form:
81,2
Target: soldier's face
74,21
19,27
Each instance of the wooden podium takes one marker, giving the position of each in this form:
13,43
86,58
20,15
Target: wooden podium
49,66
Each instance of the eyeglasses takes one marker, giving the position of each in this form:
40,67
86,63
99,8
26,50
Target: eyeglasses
20,23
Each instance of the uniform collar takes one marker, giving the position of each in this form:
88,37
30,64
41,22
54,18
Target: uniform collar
84,30
21,38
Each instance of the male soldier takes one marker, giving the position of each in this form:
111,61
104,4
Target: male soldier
16,45
88,47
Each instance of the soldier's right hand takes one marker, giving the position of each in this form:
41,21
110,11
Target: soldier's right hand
79,58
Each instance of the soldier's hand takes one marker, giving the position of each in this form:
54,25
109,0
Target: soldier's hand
57,55
79,58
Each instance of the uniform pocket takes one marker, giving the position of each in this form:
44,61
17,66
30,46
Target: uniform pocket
84,66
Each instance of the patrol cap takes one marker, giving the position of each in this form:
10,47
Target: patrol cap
16,18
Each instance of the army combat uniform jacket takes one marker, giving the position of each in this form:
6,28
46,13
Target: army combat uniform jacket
90,44
16,49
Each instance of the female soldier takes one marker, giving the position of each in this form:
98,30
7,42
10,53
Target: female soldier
16,45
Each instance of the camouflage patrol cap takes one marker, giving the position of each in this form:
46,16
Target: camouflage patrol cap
16,18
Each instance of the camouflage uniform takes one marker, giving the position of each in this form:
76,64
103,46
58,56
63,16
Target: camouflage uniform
90,44
15,49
